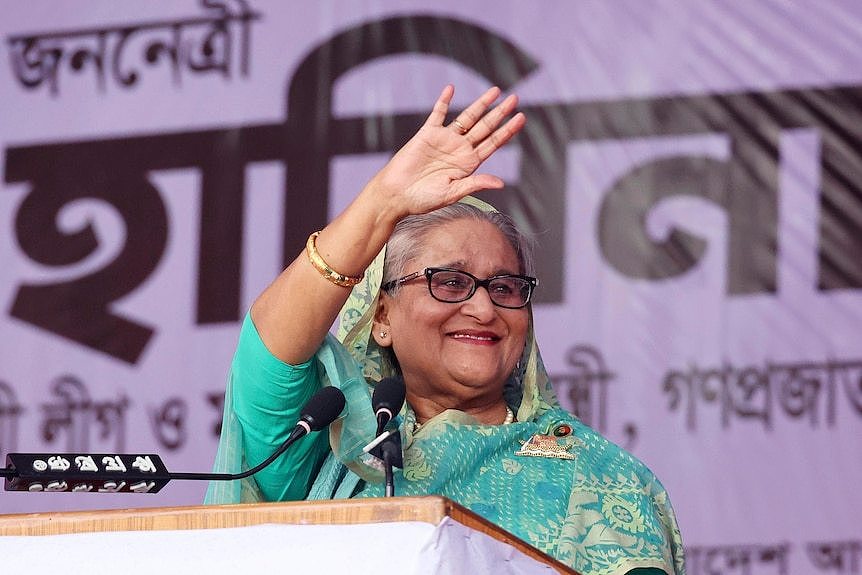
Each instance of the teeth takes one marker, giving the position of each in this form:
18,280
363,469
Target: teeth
465,336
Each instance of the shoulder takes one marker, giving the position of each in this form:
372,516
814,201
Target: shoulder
600,457
619,488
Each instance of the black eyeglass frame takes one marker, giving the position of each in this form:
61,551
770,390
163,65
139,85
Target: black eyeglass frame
477,283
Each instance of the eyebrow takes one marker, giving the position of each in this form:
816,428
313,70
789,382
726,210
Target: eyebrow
461,265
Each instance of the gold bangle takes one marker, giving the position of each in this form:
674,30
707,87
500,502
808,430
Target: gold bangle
324,269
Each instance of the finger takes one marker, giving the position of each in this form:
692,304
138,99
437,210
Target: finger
472,113
490,121
500,136
441,107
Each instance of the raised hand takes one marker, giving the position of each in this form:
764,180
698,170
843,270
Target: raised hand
436,167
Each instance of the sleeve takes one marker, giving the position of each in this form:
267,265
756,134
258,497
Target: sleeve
267,397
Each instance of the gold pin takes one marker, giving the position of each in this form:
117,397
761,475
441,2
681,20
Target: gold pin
549,446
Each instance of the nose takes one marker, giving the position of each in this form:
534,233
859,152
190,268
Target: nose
480,305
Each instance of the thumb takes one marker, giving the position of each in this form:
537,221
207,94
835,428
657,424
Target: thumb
479,182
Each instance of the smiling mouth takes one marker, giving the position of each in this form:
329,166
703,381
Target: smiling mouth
476,338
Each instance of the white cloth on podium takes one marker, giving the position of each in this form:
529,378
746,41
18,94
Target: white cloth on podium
449,548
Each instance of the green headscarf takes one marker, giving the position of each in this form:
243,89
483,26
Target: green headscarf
529,389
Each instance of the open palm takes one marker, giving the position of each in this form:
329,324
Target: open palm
436,167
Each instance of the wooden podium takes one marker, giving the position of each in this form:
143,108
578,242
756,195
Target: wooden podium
399,513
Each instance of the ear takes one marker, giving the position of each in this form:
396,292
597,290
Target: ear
380,328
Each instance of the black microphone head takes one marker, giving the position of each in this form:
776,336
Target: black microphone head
323,408
389,394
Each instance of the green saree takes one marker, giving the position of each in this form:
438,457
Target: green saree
547,478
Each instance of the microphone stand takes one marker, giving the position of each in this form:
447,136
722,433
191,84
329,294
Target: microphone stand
387,448
390,449
387,400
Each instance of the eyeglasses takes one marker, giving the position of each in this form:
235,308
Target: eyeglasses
452,286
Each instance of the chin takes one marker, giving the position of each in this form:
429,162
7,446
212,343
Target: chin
485,380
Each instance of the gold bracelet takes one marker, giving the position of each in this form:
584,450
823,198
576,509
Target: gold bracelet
324,269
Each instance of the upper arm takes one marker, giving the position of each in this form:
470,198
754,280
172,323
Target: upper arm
268,396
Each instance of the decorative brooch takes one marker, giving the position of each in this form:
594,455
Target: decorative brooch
557,446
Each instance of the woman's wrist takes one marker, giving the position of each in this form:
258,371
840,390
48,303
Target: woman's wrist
327,271
384,202
351,241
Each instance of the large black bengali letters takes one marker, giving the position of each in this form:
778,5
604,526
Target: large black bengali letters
744,185
115,171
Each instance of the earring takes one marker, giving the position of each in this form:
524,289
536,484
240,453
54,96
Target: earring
382,334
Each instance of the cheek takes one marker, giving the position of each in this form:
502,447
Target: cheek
415,323
518,329
518,322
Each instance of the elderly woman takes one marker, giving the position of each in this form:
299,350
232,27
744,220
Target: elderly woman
441,287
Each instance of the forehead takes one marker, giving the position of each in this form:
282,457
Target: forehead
477,245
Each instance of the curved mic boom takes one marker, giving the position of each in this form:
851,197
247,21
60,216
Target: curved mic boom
144,473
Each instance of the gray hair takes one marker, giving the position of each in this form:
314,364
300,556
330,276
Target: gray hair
408,234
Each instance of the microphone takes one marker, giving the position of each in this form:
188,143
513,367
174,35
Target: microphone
323,408
144,473
387,400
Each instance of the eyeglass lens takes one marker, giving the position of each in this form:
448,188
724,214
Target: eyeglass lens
454,286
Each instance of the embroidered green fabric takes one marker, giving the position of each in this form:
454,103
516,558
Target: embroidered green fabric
601,511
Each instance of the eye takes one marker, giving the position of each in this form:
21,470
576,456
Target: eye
504,287
451,281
